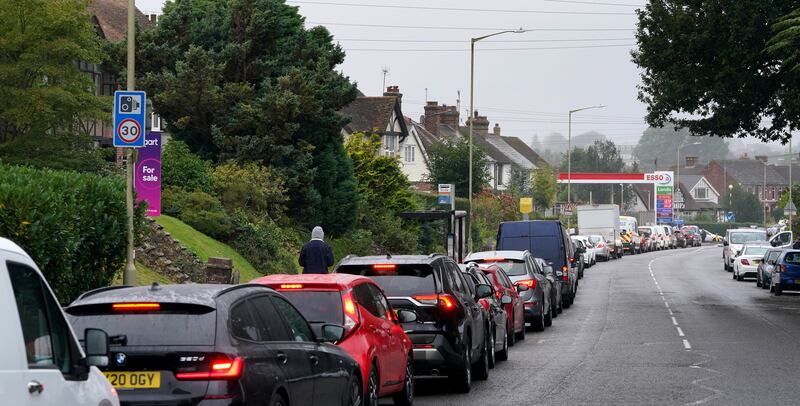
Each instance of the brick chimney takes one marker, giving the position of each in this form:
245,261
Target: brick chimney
394,91
480,126
496,130
744,157
449,116
691,161
432,117
762,158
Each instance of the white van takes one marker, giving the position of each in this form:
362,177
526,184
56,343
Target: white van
41,361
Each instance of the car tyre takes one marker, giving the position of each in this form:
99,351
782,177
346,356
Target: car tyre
554,306
778,290
481,368
355,392
462,381
502,355
406,396
758,280
521,334
548,319
278,400
490,350
538,324
511,334
739,277
371,397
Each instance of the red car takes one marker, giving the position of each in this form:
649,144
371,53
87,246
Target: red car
515,309
374,336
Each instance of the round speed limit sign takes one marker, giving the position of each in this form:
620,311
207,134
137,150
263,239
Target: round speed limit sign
129,130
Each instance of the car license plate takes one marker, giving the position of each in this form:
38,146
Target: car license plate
134,380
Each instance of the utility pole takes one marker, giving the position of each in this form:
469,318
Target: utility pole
129,274
791,159
764,194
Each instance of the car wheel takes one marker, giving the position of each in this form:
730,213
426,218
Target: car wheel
462,381
502,355
758,280
355,392
778,290
371,397
511,335
565,303
548,319
406,396
764,285
481,368
554,306
538,324
739,277
521,334
734,275
278,400
490,351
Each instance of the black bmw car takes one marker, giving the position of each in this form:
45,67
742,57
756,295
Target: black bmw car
216,345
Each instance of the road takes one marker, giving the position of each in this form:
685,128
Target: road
687,334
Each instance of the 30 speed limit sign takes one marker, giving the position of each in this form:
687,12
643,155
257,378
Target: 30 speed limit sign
129,115
129,130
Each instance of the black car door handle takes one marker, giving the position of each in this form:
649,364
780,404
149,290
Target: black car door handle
282,358
314,359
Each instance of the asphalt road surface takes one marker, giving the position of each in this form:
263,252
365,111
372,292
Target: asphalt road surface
684,334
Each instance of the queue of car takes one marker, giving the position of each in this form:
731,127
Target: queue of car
352,337
771,261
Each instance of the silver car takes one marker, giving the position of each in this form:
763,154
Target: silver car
589,257
600,247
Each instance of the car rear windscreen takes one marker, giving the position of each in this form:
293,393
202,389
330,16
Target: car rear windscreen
760,251
317,306
186,325
512,267
397,280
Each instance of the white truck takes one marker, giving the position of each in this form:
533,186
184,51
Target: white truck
602,219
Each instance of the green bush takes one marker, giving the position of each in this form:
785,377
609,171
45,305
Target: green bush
181,168
198,209
253,188
73,225
60,152
264,244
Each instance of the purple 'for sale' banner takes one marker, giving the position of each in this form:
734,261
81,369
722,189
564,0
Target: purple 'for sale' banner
148,174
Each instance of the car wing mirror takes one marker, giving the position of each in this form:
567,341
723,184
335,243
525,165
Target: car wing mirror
522,288
506,299
725,243
96,342
331,333
483,290
406,316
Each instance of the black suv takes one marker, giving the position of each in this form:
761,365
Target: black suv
215,345
449,335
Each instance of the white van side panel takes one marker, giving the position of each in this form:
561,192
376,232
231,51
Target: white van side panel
13,362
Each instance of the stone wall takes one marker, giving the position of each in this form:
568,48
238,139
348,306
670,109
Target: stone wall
165,255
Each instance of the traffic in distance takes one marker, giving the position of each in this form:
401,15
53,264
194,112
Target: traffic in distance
370,330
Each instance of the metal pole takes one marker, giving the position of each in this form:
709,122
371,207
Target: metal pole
764,194
791,158
569,160
129,274
471,120
677,188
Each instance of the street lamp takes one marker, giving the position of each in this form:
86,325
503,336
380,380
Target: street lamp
471,118
569,149
678,175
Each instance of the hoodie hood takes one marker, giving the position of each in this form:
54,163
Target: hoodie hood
317,233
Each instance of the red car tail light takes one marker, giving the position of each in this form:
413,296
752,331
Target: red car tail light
291,286
783,269
223,370
351,316
745,262
530,283
136,307
444,301
565,270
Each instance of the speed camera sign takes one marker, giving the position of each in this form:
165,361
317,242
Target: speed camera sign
129,116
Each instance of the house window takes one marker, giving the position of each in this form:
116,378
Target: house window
499,173
701,193
410,150
390,144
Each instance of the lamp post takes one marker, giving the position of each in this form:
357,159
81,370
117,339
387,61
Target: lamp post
471,118
569,149
678,175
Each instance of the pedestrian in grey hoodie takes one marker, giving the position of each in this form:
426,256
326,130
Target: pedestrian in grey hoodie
316,255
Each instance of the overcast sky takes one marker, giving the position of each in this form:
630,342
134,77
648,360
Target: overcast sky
527,91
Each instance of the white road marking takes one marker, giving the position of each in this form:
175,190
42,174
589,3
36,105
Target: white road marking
686,344
674,322
670,311
680,332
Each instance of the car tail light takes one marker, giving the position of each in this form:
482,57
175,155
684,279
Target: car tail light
572,259
221,370
745,262
136,307
351,315
444,301
783,269
530,283
384,267
292,286
565,270
600,245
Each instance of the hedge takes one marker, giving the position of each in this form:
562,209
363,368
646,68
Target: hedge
73,225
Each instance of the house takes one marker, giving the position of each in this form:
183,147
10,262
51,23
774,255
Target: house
110,18
696,195
753,175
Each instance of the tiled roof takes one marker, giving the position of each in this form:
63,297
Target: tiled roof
688,200
526,151
425,137
690,180
783,170
368,114
509,151
751,172
112,18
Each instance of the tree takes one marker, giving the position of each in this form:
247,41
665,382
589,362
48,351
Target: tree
704,67
602,156
41,87
244,80
657,143
520,182
545,188
181,168
448,162
785,44
744,205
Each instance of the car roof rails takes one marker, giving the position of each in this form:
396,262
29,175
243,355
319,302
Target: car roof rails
84,295
237,287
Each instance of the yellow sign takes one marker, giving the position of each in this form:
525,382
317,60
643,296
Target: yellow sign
134,380
525,205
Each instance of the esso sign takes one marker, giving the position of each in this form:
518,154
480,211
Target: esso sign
660,178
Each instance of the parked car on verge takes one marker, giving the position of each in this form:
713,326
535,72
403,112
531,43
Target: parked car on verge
786,272
216,345
449,336
523,271
515,309
600,245
680,238
734,243
764,271
546,239
373,334
746,264
43,362
496,312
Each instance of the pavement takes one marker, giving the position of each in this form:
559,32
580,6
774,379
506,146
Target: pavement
665,328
